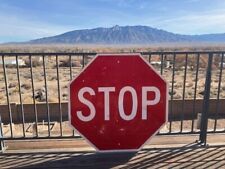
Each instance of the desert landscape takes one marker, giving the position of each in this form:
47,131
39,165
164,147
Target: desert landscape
56,82
67,71
141,81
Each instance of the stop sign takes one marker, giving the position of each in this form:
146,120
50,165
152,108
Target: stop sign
118,102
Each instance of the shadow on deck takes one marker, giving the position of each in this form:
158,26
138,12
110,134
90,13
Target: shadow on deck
188,156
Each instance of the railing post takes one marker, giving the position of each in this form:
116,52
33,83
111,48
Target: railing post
83,60
2,143
205,109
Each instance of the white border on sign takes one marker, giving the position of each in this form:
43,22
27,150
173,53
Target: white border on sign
167,101
119,150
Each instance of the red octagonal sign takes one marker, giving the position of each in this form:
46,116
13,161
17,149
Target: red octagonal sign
118,102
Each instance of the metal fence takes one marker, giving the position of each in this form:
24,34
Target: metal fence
33,92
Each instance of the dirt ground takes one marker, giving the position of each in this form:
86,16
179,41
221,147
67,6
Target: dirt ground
64,76
59,82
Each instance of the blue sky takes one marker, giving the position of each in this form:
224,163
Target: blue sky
23,20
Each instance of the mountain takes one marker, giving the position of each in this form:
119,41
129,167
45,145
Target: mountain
220,37
125,35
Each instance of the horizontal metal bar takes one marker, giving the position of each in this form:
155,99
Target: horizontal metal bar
77,137
38,138
181,52
40,54
179,133
93,53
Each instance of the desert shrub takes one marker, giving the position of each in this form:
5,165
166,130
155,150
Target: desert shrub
35,62
67,63
11,85
26,86
11,66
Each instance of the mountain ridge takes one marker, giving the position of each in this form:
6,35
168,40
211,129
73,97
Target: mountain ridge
125,35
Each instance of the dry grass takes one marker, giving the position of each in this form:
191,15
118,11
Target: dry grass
64,78
112,48
35,62
76,64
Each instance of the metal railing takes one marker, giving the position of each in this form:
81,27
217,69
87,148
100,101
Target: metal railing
33,92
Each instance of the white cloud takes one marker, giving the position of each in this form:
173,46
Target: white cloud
199,23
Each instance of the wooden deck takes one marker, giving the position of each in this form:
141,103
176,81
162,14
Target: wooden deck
179,152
